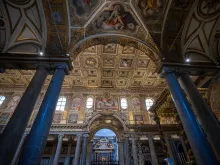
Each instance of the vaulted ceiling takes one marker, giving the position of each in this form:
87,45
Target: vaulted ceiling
102,36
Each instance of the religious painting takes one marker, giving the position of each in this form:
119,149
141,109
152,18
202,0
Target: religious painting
57,15
106,103
76,104
151,8
57,118
84,7
4,117
116,19
139,119
136,104
73,118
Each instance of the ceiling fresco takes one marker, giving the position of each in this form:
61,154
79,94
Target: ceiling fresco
172,29
81,11
116,18
108,18
122,40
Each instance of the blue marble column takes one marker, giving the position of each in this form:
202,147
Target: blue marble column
37,138
206,117
201,148
14,130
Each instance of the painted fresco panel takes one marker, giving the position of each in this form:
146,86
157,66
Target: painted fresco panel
107,103
73,118
136,104
138,119
76,104
116,18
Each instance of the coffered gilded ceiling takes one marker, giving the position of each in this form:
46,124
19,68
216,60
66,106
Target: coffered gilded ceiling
101,66
115,66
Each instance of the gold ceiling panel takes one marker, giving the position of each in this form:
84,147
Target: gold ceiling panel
101,66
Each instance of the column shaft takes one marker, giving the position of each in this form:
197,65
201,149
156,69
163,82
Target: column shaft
152,150
58,150
134,150
121,153
84,149
14,161
206,117
200,146
14,130
140,153
53,154
37,138
77,151
168,146
67,160
89,154
126,153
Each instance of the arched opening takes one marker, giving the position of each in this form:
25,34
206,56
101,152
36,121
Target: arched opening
105,147
106,134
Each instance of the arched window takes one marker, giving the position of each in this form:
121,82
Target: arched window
61,104
124,103
89,102
149,102
2,99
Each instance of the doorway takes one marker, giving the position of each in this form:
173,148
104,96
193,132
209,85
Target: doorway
105,148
